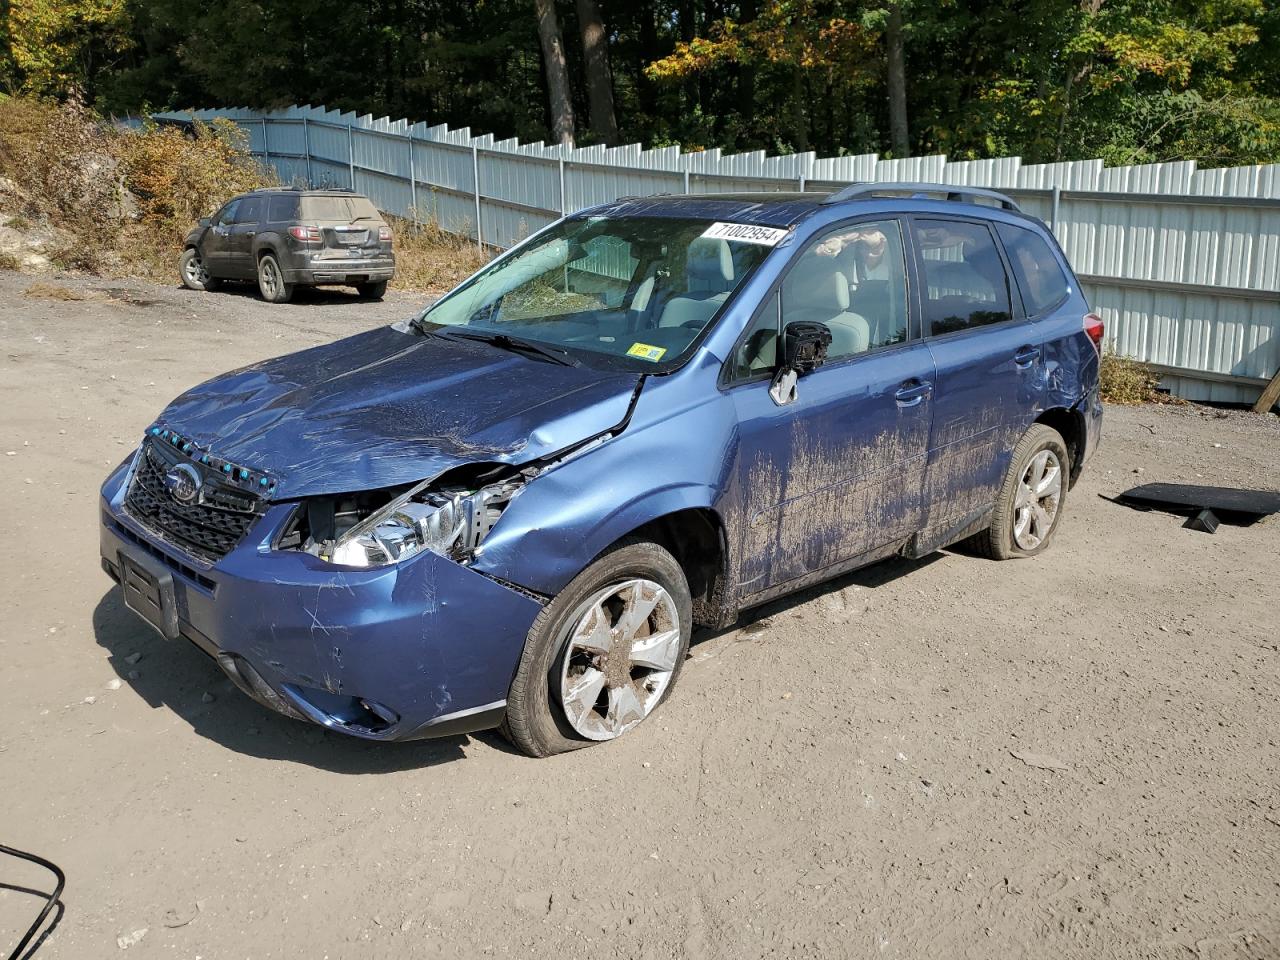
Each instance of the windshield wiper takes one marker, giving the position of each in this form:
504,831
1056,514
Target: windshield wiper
505,341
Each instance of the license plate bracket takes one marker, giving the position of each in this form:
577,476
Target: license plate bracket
148,592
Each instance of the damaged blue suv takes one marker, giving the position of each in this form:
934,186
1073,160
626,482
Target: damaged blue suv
512,509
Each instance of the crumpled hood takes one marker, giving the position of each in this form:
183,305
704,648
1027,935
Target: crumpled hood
388,407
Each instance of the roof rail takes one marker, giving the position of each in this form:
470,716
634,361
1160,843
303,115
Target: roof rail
950,191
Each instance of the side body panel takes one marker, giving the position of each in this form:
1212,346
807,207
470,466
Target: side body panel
837,472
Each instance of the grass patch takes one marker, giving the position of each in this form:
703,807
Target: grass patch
429,259
1127,381
9,261
54,291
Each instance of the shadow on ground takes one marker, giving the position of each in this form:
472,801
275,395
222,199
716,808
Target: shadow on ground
176,675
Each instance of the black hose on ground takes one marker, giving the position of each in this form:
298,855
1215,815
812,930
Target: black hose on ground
49,905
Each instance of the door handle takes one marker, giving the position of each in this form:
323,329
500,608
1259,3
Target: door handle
912,392
1026,355
252,233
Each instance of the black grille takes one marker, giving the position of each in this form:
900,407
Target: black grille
201,528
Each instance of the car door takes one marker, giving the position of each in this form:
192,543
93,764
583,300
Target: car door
214,242
989,385
239,241
838,472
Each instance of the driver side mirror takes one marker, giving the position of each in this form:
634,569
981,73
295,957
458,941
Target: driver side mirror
206,221
804,349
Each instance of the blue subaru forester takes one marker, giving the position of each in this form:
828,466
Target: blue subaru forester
513,508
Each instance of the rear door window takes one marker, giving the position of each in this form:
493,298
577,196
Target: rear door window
965,284
282,209
1039,276
249,210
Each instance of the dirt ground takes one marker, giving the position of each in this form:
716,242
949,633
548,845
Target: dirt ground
836,778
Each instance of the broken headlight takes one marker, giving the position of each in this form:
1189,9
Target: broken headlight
451,522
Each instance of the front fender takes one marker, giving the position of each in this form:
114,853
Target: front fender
560,531
675,454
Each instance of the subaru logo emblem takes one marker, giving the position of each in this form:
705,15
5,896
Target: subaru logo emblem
183,483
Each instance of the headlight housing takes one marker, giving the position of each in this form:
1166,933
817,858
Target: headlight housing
451,522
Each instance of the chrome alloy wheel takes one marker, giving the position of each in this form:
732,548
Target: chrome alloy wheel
1036,502
619,655
195,271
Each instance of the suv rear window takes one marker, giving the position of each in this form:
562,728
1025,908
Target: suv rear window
1035,268
282,209
965,282
343,209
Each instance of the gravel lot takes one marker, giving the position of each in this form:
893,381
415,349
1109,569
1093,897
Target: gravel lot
835,778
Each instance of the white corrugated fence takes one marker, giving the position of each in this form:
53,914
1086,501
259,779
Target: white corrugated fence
1182,263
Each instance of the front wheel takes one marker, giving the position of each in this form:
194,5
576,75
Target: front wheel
603,654
195,275
372,291
271,283
1031,499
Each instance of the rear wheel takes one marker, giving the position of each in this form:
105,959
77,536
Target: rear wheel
195,275
1034,491
372,291
271,282
604,654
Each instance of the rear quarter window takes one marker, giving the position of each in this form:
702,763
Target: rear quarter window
1035,269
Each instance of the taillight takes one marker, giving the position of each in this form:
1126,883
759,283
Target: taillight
1094,327
384,234
305,234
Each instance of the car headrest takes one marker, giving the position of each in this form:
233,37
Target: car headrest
709,266
816,283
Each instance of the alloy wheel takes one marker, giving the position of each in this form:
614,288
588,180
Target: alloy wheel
269,278
619,656
196,272
1036,502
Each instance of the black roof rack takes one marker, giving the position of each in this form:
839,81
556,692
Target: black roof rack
950,191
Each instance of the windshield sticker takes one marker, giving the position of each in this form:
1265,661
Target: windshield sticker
745,233
646,352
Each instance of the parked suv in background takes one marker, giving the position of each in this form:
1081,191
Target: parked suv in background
513,508
286,237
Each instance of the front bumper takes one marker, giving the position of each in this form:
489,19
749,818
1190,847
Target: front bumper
423,648
345,271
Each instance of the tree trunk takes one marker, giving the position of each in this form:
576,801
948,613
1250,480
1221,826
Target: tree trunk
595,48
899,138
557,73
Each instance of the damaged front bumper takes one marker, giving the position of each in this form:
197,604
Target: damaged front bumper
427,647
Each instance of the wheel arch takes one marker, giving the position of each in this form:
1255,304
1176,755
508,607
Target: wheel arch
681,519
1069,422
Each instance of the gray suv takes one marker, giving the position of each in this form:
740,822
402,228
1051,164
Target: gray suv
285,237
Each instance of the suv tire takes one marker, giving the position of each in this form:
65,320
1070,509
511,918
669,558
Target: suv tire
194,274
372,291
538,704
1032,497
271,282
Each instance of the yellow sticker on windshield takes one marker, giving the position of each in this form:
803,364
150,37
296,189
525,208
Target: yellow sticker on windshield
646,352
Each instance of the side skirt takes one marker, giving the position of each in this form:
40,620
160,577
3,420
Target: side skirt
818,576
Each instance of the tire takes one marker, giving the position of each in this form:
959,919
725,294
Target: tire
372,291
1002,540
271,282
538,722
193,273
